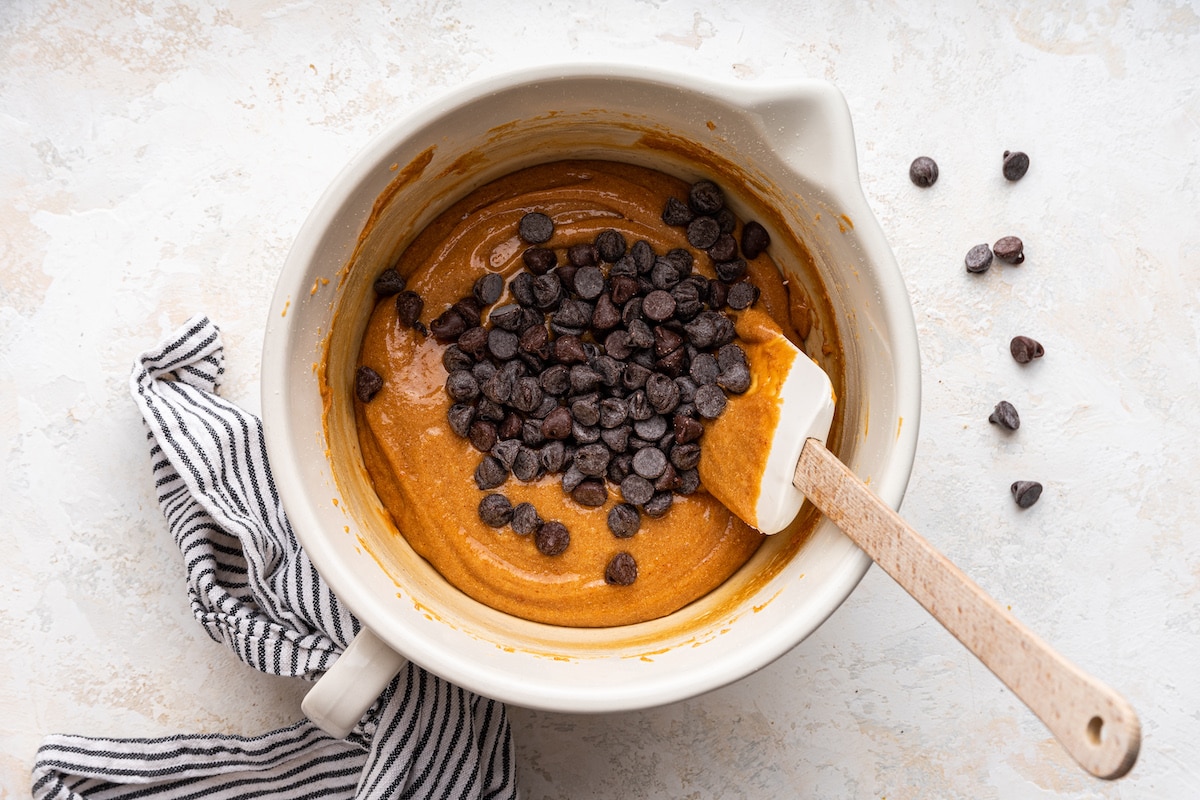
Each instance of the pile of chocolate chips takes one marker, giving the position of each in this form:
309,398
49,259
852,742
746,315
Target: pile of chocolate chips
600,370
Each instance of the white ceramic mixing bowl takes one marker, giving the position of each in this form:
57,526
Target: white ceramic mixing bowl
785,154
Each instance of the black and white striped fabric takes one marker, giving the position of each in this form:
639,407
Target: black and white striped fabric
253,588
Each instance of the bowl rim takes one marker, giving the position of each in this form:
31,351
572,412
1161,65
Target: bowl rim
844,188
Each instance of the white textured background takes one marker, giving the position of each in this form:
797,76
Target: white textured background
156,159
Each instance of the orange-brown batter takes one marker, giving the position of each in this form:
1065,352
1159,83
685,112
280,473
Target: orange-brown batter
423,472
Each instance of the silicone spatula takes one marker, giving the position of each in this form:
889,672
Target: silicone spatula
783,421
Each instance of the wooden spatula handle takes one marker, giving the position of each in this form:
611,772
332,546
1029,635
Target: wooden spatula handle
1095,724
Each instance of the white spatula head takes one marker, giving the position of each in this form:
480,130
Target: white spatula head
749,453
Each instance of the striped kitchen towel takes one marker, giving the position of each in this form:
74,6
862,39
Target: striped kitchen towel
253,587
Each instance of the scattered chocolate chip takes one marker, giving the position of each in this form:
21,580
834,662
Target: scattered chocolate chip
676,212
521,287
482,435
725,248
447,327
470,310
553,456
979,258
584,254
502,344
590,492
462,386
490,473
1005,415
736,379
705,197
658,305
923,171
367,383
659,504
742,295
652,428
1026,493
621,570
593,459
589,282
610,244
662,392
617,438
539,260
1009,249
755,239
1016,164
525,519
710,401
409,306
552,538
495,510
535,228
686,429
730,271
557,424
547,291
685,456
649,462
624,520
702,232
389,282
636,490
526,466
460,417
1024,349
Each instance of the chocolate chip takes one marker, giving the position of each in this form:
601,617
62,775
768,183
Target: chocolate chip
640,335
592,459
539,260
742,295
409,306
1009,249
736,379
652,428
575,314
668,480
659,504
490,473
617,438
725,248
473,342
506,317
621,570
535,228
505,451
453,358
702,232
584,379
658,305
585,434
495,510
1024,349
1026,493
569,350
676,212
589,282
705,197
979,258
636,490
649,462
923,171
470,309
718,291
531,432
462,386
447,327
624,520
710,401
502,344
557,424
572,477
525,519
730,271
498,388
685,456
642,254
389,282
583,255
689,481
1016,164
662,392
521,287
664,275
526,466
553,456
613,412
1005,415
611,245
606,315
552,538
590,492
547,291
686,429
460,416
367,383
634,377
755,239
535,340
488,409
527,395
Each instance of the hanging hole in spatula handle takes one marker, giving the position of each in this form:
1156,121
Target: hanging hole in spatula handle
1092,722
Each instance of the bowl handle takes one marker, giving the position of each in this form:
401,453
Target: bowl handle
352,684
